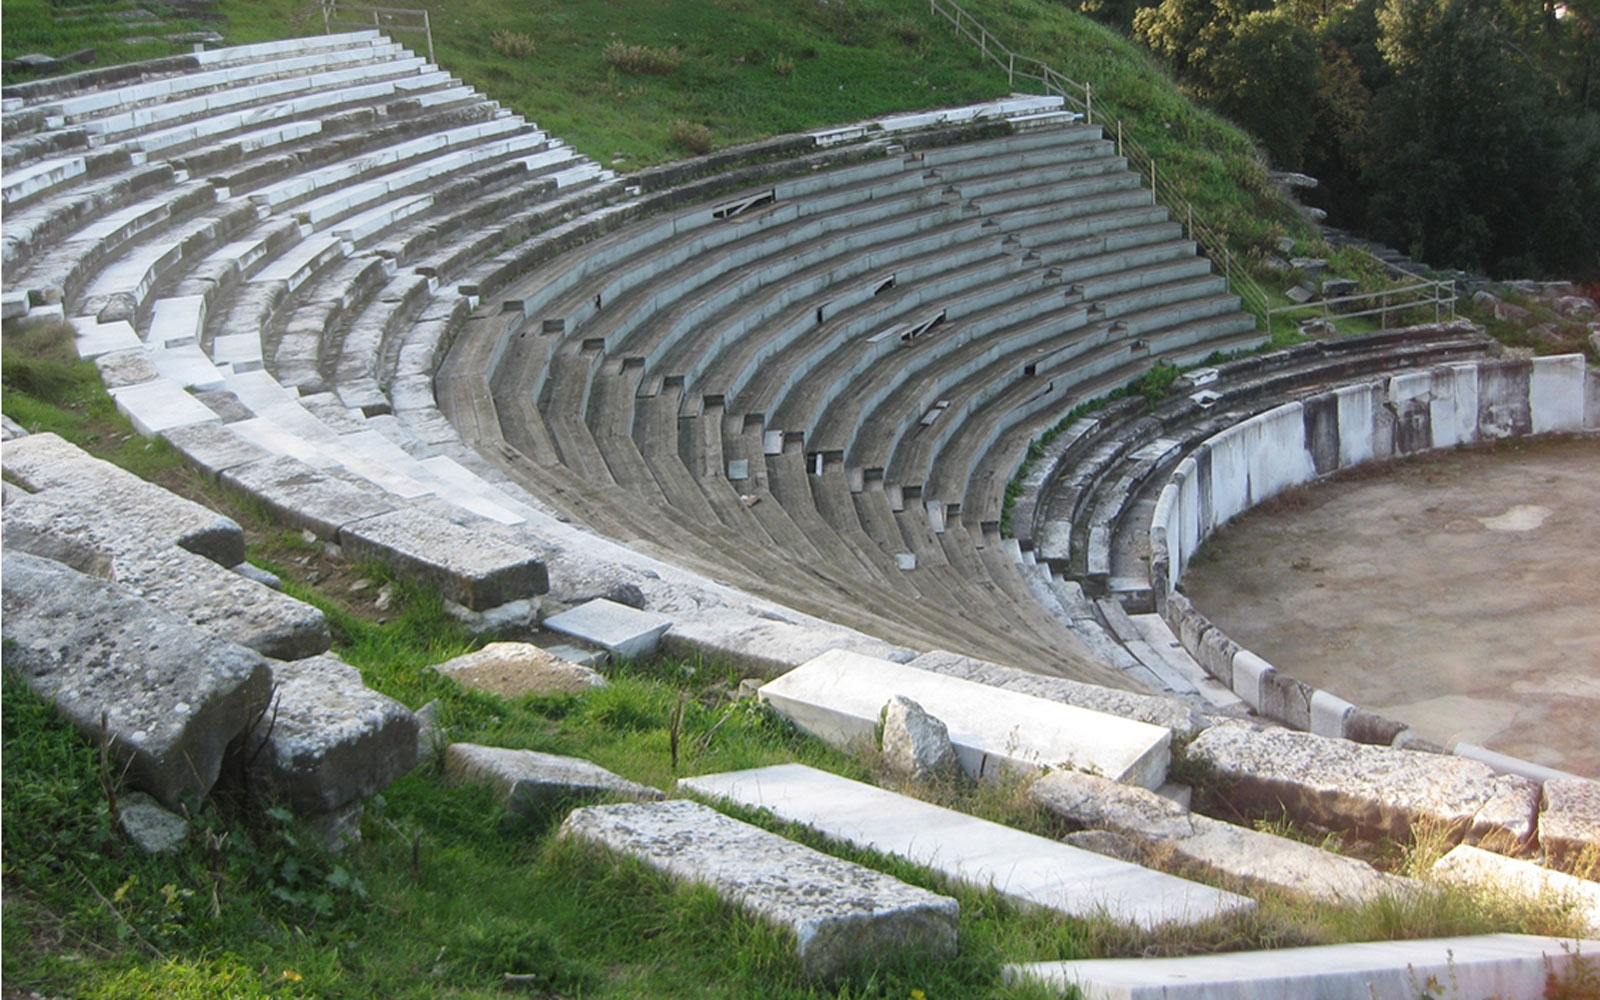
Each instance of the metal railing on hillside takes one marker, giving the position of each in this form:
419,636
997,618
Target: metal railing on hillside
1080,97
1416,294
382,18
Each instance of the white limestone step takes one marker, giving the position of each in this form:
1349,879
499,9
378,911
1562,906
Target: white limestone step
24,182
95,339
168,90
1029,870
1505,966
160,405
302,260
1159,638
839,696
177,321
188,366
140,119
135,271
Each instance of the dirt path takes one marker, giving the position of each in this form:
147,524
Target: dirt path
1459,593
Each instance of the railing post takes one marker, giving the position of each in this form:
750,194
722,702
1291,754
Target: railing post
1153,195
427,26
1119,136
327,29
1088,104
1011,69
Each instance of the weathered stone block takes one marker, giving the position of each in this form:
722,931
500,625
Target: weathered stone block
842,916
173,696
1162,825
1374,791
141,510
329,740
526,780
63,524
1522,879
622,631
213,448
475,570
514,669
1569,821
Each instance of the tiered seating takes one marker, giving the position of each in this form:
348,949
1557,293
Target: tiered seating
1083,519
809,373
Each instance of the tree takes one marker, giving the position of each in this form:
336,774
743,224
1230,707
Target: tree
1254,63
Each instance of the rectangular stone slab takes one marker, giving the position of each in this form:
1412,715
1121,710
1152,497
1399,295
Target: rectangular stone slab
1032,871
624,632
473,569
173,696
1505,966
842,916
839,695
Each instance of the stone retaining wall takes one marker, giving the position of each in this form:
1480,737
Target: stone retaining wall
1301,441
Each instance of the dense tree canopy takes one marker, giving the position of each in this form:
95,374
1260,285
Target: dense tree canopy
1466,132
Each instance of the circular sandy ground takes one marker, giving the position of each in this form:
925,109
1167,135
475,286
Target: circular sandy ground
1458,592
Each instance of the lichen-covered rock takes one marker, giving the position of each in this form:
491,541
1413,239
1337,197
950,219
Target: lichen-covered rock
329,740
514,669
916,744
172,696
1569,822
1371,790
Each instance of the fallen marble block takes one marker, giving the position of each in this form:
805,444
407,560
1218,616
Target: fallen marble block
1161,825
1505,966
1169,713
171,696
841,916
622,631
1032,871
329,740
514,669
527,780
839,697
1372,790
1496,872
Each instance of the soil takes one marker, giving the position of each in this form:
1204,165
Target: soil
1457,592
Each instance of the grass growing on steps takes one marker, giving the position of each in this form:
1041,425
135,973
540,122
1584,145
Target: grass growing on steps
115,30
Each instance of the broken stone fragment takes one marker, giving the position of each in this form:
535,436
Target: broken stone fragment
916,744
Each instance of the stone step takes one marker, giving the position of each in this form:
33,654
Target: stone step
839,696
1507,966
842,917
1029,870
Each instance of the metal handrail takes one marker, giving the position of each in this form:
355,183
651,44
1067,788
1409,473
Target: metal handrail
331,10
1440,294
1081,97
